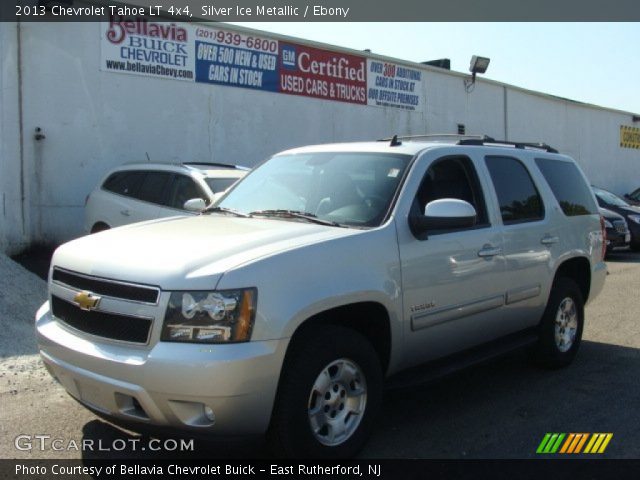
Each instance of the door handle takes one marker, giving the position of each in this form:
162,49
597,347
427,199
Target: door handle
549,240
489,251
126,213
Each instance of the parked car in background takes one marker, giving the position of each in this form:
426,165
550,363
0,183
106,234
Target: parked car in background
634,197
631,213
618,235
145,191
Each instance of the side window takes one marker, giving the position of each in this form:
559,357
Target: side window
154,188
124,183
218,185
517,195
568,187
183,189
452,177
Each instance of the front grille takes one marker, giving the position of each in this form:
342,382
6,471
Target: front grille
109,288
620,226
115,326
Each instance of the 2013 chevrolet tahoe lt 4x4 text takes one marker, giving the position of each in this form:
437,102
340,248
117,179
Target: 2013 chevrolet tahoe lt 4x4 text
282,308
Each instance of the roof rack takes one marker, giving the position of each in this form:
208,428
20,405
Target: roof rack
523,145
444,136
217,164
468,140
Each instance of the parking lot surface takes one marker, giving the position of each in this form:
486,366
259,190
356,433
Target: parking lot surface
501,409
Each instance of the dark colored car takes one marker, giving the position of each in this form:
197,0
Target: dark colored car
631,213
618,235
634,197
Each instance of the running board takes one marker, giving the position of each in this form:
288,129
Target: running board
437,369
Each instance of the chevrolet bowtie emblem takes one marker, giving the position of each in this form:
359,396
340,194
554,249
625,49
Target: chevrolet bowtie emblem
86,300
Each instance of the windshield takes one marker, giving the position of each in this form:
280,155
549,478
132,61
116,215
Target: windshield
344,188
610,198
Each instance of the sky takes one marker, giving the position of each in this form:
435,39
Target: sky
596,63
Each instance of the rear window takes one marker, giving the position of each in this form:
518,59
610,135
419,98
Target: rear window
124,183
568,186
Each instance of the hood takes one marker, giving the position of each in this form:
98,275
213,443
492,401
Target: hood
609,214
631,210
186,252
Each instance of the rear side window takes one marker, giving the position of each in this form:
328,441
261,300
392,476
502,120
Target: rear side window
124,183
154,188
517,194
568,186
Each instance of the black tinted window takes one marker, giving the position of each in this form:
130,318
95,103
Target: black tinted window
568,187
517,195
183,189
452,177
124,183
153,188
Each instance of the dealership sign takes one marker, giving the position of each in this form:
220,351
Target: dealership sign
392,85
322,74
203,54
235,59
141,47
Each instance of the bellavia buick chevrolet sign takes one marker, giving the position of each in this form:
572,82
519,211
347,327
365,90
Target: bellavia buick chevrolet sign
203,54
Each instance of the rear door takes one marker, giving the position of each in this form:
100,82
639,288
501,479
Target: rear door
530,234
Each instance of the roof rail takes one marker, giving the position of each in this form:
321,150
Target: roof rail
435,136
523,145
217,164
469,140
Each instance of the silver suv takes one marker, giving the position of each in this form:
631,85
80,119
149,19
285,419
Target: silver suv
145,191
321,275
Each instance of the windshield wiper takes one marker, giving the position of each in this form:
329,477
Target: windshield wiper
310,217
227,210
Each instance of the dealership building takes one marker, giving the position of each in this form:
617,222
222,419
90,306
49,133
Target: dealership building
79,98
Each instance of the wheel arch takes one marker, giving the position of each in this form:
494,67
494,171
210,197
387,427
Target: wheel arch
577,269
100,226
369,318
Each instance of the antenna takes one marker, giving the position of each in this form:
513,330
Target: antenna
148,159
395,142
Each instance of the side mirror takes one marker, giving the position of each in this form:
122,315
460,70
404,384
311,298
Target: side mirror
444,214
195,205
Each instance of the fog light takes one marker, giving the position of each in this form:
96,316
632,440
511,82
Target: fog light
208,412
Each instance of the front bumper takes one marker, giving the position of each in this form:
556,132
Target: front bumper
617,239
166,384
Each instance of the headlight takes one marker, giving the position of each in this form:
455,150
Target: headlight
607,223
634,218
210,317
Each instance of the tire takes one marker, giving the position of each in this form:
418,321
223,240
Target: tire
560,330
330,372
635,247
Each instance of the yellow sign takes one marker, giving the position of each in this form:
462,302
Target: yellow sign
629,137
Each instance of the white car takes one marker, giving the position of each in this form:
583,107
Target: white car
137,192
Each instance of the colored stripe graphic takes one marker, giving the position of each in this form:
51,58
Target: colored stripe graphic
550,443
574,443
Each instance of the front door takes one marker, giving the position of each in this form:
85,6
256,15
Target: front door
453,281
